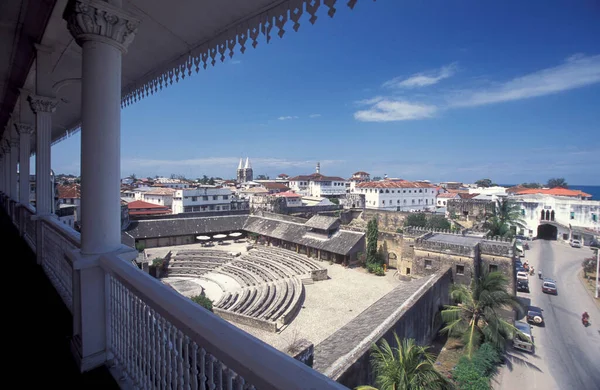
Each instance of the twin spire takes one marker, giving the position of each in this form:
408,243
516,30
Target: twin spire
241,165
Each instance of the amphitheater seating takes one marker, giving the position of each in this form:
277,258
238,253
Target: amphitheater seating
269,279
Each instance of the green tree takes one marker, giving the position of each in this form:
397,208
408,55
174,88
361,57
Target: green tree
438,222
372,236
416,219
475,316
133,177
334,200
557,182
203,301
376,178
211,181
484,183
505,218
406,366
531,185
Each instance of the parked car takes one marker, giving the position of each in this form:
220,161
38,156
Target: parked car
534,315
576,243
524,339
523,275
549,287
523,285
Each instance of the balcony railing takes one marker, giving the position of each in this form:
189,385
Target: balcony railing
30,233
157,338
59,239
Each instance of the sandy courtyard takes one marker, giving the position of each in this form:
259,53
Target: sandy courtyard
328,305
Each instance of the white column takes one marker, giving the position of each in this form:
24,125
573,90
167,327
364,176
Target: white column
104,31
14,160
43,107
24,131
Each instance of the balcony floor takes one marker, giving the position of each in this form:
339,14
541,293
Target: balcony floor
38,324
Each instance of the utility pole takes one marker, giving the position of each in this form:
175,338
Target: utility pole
597,269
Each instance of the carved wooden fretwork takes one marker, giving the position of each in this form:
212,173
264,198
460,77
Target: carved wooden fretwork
223,46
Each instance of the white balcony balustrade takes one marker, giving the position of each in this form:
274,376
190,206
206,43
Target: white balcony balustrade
156,338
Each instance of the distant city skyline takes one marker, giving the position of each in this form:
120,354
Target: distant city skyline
462,98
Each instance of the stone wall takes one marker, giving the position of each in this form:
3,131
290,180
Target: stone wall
246,320
469,209
353,201
428,263
306,352
393,243
388,221
318,274
418,318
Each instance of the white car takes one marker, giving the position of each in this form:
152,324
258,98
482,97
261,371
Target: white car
576,243
522,275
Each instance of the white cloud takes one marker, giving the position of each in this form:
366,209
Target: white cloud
388,110
314,116
285,118
423,79
577,71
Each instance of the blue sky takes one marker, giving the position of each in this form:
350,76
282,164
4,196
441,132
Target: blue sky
435,90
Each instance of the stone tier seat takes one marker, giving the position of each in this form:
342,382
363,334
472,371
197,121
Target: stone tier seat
291,255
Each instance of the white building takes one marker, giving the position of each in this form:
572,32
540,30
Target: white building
559,217
160,196
496,190
171,183
398,195
291,198
203,198
318,185
357,177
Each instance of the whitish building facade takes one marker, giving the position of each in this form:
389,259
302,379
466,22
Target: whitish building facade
204,198
398,195
558,217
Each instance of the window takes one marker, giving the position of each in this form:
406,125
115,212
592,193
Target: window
205,198
407,271
594,218
460,269
493,268
522,211
194,198
572,215
225,197
215,197
427,264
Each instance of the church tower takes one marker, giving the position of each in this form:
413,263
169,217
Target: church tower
247,172
240,171
318,167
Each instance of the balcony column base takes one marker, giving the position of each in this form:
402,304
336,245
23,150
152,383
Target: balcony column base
90,344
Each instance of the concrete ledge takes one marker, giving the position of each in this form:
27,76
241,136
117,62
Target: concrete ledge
246,320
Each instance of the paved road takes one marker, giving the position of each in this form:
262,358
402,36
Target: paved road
567,355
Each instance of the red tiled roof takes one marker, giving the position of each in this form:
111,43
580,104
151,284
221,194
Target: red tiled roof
288,194
558,191
275,186
393,184
463,195
448,195
70,191
457,191
360,173
316,177
140,204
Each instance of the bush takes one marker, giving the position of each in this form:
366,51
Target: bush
158,262
475,374
375,269
140,247
203,301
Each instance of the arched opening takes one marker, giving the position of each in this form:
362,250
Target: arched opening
547,232
552,215
547,215
543,215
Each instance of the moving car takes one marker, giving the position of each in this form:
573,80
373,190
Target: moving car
523,285
576,243
549,287
524,339
534,316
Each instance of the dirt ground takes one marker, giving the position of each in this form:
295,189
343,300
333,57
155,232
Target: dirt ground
447,352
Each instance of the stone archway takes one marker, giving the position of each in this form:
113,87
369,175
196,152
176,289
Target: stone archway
392,260
547,232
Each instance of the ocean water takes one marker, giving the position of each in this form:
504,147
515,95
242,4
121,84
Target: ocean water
592,190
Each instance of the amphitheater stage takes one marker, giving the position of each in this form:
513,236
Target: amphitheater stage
324,307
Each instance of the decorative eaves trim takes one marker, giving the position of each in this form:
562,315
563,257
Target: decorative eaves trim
224,44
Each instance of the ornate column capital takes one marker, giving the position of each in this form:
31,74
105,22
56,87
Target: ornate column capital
42,103
24,128
100,21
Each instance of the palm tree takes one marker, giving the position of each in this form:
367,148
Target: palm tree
475,316
505,217
405,367
557,182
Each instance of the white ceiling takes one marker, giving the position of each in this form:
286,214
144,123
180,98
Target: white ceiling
169,33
